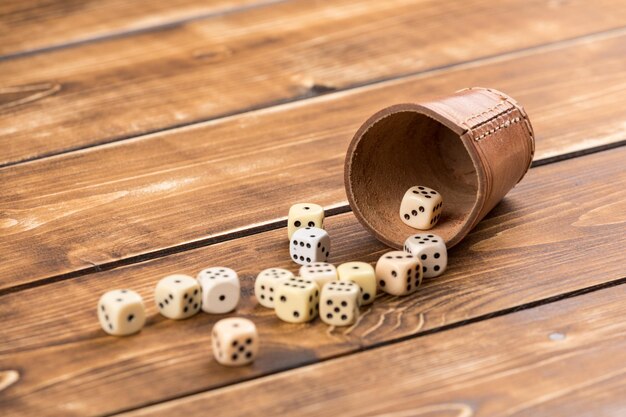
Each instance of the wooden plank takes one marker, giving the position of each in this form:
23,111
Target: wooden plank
112,90
31,25
182,186
561,359
542,241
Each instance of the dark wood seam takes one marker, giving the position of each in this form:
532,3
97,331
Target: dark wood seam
161,253
125,33
451,326
316,91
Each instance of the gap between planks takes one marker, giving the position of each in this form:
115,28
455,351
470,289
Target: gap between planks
130,32
562,176
249,230
378,345
315,91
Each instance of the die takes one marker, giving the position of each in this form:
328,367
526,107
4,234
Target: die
121,312
297,300
234,341
266,283
304,215
220,289
320,272
421,207
399,273
339,303
431,250
178,296
363,275
308,245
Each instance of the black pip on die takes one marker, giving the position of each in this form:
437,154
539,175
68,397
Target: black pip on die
421,207
304,215
121,312
430,249
339,303
178,296
220,289
308,245
266,283
399,273
320,272
297,300
234,341
363,275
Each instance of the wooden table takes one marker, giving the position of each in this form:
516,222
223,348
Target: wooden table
146,138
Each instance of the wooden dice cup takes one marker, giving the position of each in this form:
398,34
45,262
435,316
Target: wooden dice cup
472,146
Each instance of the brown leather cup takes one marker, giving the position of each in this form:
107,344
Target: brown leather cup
472,146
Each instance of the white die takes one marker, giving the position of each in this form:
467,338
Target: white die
234,341
266,283
304,215
178,296
421,207
431,250
220,289
320,272
339,303
308,245
121,312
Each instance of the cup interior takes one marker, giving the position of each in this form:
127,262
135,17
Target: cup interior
402,149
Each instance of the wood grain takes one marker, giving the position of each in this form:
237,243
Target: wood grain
123,87
562,359
533,246
97,206
31,25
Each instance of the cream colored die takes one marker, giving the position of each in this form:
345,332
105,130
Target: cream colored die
304,215
320,272
363,275
220,289
339,303
178,296
431,250
266,283
399,273
297,300
235,341
421,207
121,312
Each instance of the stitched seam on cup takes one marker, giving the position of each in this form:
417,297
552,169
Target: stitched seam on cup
474,132
489,110
504,125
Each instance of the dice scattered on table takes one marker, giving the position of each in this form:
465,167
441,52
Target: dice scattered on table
266,283
308,245
220,289
178,296
431,250
399,273
121,312
363,275
336,294
235,341
339,303
320,272
304,215
421,207
296,300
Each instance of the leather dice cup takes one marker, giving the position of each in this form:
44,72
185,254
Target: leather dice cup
472,146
